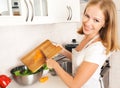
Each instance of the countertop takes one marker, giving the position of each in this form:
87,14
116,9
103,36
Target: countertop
52,82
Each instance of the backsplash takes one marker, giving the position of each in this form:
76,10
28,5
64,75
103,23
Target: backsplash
16,41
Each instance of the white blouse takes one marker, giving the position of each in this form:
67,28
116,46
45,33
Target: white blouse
94,53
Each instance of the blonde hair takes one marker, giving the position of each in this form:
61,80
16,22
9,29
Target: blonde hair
108,34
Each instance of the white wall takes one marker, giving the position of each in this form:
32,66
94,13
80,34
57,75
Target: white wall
115,70
118,25
115,64
16,41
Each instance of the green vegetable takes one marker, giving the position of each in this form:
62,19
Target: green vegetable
17,73
22,72
45,67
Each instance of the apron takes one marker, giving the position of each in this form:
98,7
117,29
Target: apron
79,54
77,59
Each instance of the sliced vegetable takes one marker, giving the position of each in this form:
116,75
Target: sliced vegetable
43,79
17,73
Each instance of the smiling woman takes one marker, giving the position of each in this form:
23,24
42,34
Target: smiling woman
98,43
93,22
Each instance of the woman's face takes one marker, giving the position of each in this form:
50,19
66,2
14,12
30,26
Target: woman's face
93,20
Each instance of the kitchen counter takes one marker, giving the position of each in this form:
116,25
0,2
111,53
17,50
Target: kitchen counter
52,82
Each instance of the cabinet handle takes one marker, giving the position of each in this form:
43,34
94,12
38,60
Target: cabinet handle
27,15
32,10
70,13
27,10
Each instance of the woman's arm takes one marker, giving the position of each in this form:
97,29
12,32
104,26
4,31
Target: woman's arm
83,73
66,53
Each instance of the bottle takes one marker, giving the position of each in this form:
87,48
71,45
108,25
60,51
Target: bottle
16,8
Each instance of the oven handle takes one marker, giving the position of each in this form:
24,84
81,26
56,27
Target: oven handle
105,68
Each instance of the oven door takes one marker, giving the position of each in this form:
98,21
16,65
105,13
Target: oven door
104,80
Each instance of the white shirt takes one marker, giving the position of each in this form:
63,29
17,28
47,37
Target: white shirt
94,53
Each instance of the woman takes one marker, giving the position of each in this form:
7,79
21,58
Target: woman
99,41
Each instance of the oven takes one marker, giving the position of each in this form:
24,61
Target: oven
104,79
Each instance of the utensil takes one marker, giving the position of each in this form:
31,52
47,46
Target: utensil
23,76
35,59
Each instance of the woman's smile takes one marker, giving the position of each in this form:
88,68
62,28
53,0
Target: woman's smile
87,29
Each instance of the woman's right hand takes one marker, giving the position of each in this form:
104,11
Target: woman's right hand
51,64
66,53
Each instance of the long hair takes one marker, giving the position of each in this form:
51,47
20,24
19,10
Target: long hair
108,34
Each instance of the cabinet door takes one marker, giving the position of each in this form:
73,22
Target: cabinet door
4,9
55,11
41,11
64,10
75,10
21,12
11,12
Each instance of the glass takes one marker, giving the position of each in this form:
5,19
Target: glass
40,8
4,11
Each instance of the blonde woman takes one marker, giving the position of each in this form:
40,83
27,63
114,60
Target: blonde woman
99,27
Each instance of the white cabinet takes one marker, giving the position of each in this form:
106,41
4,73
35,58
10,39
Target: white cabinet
83,4
64,10
4,7
39,11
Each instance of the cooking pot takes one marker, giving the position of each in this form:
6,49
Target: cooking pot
66,64
4,81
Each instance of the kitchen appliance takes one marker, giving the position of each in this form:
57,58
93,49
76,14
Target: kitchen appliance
4,81
104,79
71,45
66,64
23,76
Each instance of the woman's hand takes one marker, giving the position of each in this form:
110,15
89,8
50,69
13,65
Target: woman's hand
51,63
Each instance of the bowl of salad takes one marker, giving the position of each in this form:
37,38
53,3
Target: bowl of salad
23,76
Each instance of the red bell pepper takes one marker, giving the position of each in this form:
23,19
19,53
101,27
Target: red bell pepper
4,81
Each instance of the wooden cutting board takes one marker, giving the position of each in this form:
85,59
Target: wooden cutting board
36,58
